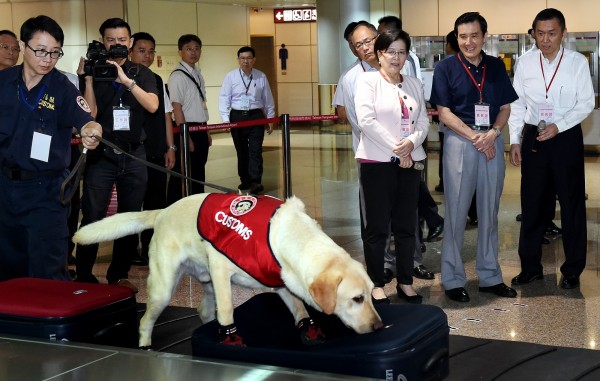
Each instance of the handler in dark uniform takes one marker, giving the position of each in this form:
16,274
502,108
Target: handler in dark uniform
38,109
122,107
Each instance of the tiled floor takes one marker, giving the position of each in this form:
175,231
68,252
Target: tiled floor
324,176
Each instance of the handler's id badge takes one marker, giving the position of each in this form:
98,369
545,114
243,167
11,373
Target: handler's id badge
546,112
404,128
121,118
245,100
482,114
40,146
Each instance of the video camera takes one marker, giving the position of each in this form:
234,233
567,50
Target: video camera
96,65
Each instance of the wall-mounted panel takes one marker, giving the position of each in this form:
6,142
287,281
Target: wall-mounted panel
295,98
293,33
580,15
261,23
299,64
420,17
166,21
503,17
223,25
96,12
6,19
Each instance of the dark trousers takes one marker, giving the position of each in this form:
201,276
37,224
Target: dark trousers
103,169
198,160
558,166
248,143
155,198
390,194
33,228
428,209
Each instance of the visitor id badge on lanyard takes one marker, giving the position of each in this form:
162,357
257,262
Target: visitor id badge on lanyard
546,112
404,128
245,102
121,118
40,146
482,114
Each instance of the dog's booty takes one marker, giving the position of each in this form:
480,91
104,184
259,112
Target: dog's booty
310,333
228,335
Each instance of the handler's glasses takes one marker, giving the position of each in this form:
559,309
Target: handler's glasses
56,54
12,49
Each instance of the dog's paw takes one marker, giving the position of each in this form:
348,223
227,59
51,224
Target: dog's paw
228,336
310,333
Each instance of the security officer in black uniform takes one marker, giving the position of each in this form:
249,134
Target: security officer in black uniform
38,109
122,107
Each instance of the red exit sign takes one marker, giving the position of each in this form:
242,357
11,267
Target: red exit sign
295,15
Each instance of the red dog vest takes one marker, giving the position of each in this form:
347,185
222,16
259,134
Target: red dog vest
238,227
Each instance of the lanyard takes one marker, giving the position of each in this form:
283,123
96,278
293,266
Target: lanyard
361,65
249,83
553,75
478,85
32,106
117,89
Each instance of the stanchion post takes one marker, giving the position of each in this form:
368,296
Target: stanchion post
287,162
186,169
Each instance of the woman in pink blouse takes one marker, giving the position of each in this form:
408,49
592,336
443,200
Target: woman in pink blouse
393,121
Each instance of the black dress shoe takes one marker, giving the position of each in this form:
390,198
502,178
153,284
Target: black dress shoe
501,290
553,230
388,275
525,277
421,272
519,217
138,260
435,232
423,247
385,300
545,241
439,188
256,188
413,299
569,282
458,294
244,187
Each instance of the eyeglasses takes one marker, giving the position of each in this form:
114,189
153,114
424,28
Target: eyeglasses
365,42
245,58
12,49
150,52
44,53
393,53
194,49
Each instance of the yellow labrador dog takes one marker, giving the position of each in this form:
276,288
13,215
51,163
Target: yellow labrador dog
197,235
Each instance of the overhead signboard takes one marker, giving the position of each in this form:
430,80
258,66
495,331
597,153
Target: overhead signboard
295,15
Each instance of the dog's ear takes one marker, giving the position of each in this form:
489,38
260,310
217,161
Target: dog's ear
324,290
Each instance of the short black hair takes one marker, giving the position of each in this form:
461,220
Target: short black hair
41,23
470,17
348,31
186,38
245,49
549,14
143,36
362,23
393,21
385,39
113,24
7,32
453,41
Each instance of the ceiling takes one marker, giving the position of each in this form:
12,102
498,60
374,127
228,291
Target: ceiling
258,3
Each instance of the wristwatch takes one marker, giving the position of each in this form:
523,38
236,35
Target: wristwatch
497,130
173,147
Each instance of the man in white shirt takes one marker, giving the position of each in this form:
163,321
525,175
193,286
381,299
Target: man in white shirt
188,97
246,95
555,95
338,97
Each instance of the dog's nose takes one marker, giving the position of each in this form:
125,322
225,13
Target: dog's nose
377,325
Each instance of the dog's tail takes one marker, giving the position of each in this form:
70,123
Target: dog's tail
116,226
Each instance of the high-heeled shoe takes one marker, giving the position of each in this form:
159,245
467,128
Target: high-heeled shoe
413,299
385,300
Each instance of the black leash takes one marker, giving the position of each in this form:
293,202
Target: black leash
78,169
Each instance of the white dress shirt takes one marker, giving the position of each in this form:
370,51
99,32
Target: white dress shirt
237,85
571,92
349,86
183,91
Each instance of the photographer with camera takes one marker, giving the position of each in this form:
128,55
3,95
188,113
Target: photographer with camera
121,100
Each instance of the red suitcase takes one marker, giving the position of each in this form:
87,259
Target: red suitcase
61,310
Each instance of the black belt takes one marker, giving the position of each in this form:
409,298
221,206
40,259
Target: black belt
247,112
126,146
21,174
193,124
479,128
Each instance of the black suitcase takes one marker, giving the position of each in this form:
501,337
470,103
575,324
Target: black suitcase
61,310
413,346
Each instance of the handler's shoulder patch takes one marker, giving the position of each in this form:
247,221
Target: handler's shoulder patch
242,205
83,104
